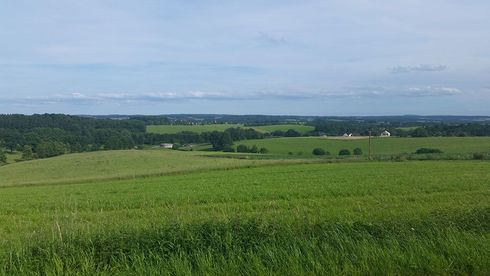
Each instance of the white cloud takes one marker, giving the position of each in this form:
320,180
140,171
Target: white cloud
418,68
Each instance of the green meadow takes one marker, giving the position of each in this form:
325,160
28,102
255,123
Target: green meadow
116,164
416,217
380,146
172,129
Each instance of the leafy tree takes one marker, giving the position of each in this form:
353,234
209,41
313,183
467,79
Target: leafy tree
27,153
292,133
3,157
220,140
242,148
319,151
263,150
229,149
357,151
50,149
254,149
344,152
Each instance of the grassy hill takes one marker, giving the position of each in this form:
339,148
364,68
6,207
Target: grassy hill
393,145
171,129
111,164
428,217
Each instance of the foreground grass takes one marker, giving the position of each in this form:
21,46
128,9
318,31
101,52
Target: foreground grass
383,146
351,218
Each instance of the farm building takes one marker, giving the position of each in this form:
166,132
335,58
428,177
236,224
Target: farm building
166,145
347,135
385,134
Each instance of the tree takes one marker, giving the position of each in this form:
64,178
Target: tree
254,149
242,148
319,151
3,157
27,153
263,150
357,151
344,152
292,133
50,149
229,149
220,140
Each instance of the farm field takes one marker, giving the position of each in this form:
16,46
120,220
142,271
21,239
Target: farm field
382,146
172,129
112,164
428,217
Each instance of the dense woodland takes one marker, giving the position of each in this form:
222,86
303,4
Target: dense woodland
49,135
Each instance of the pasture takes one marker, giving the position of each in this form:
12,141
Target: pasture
428,217
116,164
172,129
380,146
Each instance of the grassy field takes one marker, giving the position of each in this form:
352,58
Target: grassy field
393,145
171,129
430,217
111,164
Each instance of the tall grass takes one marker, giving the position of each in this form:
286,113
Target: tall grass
430,217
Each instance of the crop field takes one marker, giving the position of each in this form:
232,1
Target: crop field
111,164
172,129
430,217
383,146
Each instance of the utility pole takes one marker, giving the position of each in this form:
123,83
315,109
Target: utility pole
369,145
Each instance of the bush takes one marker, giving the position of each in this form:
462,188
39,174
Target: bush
357,151
176,146
254,149
478,156
3,157
344,152
292,133
229,149
263,150
27,153
50,149
427,150
319,151
242,148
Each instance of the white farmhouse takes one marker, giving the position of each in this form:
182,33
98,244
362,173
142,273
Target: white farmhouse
385,134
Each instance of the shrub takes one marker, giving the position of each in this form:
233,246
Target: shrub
319,151
27,153
242,148
228,149
344,152
478,156
50,149
3,157
427,150
176,146
254,149
357,151
263,150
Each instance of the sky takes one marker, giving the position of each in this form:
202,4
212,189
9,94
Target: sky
346,57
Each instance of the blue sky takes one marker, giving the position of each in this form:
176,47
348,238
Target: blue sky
377,57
